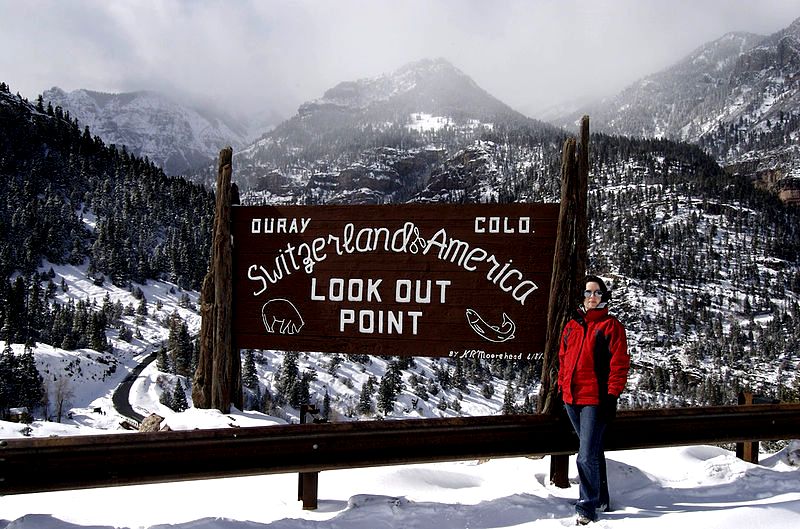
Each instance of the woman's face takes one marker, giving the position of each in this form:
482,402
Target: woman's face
595,298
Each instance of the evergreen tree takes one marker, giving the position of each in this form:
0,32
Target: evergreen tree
287,377
390,387
96,332
300,392
180,346
125,333
326,406
443,374
528,407
249,371
142,309
334,363
365,397
166,398
8,381
459,377
509,399
162,360
30,387
386,395
179,402
185,351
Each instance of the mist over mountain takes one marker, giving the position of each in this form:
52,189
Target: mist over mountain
175,136
662,104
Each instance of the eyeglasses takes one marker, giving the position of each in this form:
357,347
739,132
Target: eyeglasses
596,293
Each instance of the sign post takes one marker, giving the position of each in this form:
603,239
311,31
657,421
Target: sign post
569,266
217,380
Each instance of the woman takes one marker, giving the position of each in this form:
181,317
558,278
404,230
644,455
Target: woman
594,362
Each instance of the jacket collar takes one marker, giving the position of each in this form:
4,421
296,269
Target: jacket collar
593,314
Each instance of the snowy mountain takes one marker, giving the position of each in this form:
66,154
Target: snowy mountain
737,97
378,140
432,86
740,76
666,104
171,134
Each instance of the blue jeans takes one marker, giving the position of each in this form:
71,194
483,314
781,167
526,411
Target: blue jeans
591,430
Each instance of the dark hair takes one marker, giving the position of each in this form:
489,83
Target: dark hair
595,279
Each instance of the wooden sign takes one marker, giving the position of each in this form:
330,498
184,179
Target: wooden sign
408,280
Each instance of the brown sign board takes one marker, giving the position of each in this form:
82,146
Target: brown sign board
408,280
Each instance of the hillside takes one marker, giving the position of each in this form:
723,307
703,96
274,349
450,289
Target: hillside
737,97
68,197
708,267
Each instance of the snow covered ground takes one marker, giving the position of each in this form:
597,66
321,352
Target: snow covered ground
699,486
659,488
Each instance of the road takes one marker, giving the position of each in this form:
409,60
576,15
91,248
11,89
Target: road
121,397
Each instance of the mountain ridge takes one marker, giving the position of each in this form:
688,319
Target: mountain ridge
737,97
413,120
685,84
430,85
177,137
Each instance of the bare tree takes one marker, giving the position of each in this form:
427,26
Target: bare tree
46,398
63,392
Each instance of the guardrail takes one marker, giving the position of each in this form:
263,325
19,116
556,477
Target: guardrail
47,464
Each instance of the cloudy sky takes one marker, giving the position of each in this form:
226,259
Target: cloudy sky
276,54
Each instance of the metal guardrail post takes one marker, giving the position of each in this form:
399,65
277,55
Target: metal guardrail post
308,482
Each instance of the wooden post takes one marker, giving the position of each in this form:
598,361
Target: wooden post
569,261
569,266
310,482
747,450
201,385
581,207
559,470
217,380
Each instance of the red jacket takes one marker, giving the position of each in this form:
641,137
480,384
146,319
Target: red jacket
593,357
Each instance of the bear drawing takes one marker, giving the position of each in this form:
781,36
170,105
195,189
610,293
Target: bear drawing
280,316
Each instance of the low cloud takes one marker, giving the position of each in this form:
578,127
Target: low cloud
260,55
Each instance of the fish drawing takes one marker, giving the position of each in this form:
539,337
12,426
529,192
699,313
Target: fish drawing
492,333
